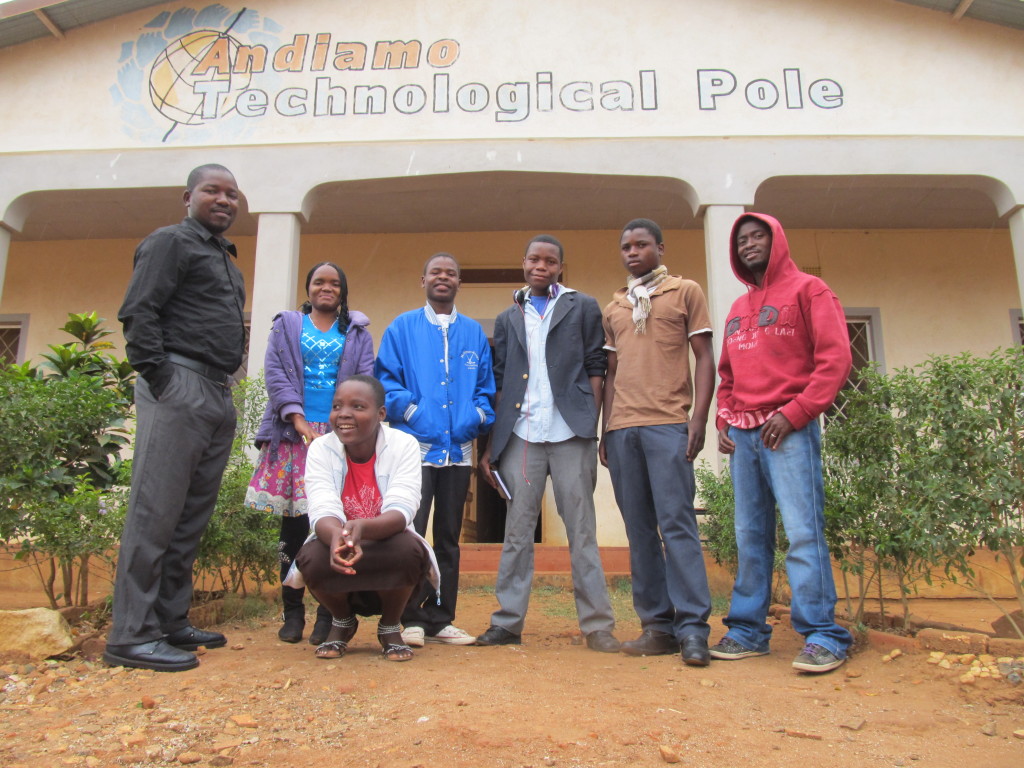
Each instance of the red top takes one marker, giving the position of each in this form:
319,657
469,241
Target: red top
360,496
786,347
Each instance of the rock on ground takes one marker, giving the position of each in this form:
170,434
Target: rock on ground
35,632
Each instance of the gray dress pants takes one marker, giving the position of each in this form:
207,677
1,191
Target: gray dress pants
572,465
182,443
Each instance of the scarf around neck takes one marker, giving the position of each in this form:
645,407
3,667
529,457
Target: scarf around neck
638,291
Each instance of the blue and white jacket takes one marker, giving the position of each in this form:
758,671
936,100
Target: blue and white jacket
438,381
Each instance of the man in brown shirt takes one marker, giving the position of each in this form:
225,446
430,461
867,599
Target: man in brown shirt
650,441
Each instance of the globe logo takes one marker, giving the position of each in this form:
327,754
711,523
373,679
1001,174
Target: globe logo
180,69
175,74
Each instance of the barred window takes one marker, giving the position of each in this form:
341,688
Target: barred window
12,338
864,326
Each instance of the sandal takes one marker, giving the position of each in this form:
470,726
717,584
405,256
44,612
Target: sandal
335,649
331,649
392,651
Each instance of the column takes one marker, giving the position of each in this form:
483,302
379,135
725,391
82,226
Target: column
723,287
5,247
1016,222
723,290
277,264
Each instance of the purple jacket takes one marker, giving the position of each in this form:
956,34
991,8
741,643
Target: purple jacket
282,369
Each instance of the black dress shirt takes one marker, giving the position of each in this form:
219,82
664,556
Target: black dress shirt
186,296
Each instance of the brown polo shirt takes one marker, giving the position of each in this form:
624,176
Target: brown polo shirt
652,381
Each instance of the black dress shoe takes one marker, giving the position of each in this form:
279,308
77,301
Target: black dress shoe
695,651
189,638
651,643
603,641
156,654
499,636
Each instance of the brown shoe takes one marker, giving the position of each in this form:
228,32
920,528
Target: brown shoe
651,643
603,641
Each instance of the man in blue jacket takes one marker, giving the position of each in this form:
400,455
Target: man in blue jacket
549,362
435,365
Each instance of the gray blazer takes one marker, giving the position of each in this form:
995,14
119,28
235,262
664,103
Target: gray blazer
575,352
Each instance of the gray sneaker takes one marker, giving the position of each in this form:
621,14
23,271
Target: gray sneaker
730,650
814,658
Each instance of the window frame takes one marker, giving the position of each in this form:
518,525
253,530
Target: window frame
21,323
873,317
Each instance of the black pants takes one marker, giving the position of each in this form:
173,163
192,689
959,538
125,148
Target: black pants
444,489
294,531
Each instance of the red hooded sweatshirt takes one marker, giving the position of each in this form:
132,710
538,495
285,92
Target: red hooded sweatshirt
786,347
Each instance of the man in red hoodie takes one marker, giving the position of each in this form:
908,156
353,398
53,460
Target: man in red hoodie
785,356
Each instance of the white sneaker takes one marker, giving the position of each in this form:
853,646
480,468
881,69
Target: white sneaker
452,635
413,636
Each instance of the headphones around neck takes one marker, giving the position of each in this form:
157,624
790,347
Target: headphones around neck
522,295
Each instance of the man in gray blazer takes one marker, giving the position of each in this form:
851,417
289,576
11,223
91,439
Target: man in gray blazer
549,367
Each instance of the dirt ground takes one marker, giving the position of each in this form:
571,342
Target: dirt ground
549,702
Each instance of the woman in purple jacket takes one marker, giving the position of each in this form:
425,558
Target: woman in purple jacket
308,353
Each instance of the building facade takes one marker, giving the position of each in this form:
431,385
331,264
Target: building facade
888,138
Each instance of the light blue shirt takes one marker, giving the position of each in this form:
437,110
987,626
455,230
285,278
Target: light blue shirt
321,356
539,420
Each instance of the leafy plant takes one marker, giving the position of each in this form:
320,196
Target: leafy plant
975,447
239,544
62,429
926,467
874,475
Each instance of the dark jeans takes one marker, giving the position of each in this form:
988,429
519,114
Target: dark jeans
654,487
445,489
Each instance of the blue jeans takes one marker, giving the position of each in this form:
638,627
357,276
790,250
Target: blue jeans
791,478
654,488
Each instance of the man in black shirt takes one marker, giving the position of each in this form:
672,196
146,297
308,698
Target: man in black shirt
184,331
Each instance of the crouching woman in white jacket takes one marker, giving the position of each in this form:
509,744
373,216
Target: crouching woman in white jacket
363,488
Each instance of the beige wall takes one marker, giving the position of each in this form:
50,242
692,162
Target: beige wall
47,280
938,292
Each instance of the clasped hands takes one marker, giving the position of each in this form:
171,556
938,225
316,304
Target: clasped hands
346,547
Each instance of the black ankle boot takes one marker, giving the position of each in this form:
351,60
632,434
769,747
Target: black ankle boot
294,615
322,627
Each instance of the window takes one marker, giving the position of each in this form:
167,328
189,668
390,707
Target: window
1017,325
13,333
865,328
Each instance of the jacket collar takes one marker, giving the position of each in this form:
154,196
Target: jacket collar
432,315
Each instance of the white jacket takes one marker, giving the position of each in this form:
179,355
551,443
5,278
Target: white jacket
399,479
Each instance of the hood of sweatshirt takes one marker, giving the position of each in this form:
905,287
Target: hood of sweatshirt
780,263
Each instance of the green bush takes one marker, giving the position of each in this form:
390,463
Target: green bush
874,473
718,527
240,543
927,465
61,432
974,456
